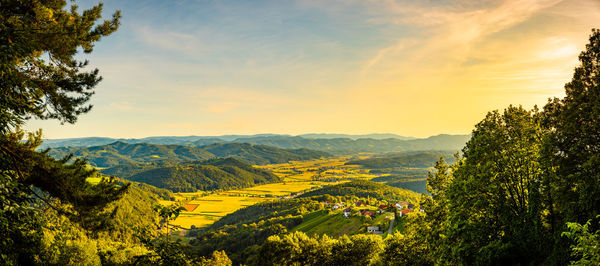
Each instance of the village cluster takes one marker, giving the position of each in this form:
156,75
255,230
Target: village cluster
360,208
403,208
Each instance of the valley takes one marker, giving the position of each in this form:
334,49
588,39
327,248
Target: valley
297,177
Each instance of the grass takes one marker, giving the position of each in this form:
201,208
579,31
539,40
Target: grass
332,224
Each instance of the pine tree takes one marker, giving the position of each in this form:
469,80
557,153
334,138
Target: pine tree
39,77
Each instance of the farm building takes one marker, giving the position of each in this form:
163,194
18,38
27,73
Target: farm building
347,212
372,229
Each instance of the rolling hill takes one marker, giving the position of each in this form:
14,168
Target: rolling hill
410,159
364,189
262,154
213,174
121,153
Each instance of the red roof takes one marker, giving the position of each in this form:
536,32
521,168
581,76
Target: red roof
406,211
190,207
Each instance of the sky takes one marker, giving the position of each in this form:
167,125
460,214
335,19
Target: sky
414,68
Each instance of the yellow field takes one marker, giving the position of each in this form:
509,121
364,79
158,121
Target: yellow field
213,207
297,177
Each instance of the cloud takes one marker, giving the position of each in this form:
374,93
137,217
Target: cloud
449,31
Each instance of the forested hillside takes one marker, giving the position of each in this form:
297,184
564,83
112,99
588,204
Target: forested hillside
214,174
262,154
124,153
119,153
407,160
364,189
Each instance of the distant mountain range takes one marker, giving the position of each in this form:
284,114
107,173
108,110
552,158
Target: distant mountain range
121,153
355,137
204,140
332,143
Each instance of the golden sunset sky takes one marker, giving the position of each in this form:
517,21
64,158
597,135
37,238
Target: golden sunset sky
414,68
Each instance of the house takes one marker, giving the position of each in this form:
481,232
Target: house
366,212
405,212
372,229
336,206
326,203
421,209
347,212
401,205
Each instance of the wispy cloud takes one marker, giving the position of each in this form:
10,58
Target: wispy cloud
410,67
449,31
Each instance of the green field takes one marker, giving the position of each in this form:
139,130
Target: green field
334,224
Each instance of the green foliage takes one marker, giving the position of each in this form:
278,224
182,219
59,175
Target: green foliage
587,244
135,210
218,258
494,196
53,86
407,249
572,146
299,249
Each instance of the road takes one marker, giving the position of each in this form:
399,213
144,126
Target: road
391,226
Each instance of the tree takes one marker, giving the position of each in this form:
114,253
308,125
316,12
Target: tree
39,77
586,249
168,213
38,73
573,142
405,249
494,202
432,226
